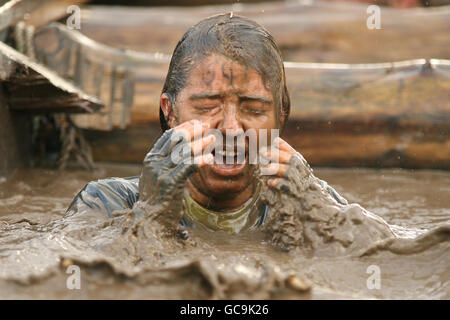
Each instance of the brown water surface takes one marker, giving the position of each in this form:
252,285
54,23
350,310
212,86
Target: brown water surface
38,242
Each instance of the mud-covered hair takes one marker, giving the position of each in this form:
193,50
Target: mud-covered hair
234,37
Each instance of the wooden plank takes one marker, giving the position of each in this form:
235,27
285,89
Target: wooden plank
322,143
111,74
13,11
31,87
376,115
382,114
307,32
50,11
408,89
15,139
415,91
171,2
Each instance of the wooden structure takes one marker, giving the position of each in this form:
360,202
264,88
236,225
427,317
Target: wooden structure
32,88
343,114
28,88
323,32
379,114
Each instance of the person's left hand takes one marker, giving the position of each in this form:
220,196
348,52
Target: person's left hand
287,171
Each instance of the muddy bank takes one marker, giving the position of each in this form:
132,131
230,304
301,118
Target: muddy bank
140,256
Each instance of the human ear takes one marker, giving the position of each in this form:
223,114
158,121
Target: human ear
167,107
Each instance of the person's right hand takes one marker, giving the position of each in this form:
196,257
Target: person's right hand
166,169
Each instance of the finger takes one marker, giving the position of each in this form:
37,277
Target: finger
187,132
204,159
162,146
284,146
180,173
277,156
285,186
272,183
274,169
162,140
192,129
167,142
199,145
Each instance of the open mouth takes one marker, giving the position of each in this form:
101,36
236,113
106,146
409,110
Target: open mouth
229,162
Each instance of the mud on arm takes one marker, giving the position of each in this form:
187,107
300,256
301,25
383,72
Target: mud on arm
176,155
309,214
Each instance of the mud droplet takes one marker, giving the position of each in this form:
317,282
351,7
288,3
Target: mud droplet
295,283
183,234
65,263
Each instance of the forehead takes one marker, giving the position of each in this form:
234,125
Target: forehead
217,73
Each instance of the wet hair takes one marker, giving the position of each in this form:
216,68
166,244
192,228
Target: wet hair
237,38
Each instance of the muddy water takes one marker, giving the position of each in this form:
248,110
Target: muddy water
129,257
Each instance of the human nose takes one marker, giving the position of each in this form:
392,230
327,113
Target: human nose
230,124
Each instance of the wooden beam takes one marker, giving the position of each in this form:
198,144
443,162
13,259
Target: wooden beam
371,114
108,73
15,139
50,11
407,89
13,11
31,87
308,32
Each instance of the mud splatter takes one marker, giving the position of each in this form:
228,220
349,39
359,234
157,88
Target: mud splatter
326,248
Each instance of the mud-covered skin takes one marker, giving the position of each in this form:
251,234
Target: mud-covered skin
304,213
164,176
308,214
162,181
232,98
296,178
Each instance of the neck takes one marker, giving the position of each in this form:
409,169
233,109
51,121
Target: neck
223,202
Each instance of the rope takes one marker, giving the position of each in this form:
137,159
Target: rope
29,36
23,36
19,36
73,142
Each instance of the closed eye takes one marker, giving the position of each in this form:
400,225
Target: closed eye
257,110
206,109
256,105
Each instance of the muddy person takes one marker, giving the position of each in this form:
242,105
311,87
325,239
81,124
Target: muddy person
226,76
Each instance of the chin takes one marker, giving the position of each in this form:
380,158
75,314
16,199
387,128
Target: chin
214,184
226,188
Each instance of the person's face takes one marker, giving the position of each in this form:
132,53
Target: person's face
231,98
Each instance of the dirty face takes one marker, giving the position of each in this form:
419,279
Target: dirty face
232,98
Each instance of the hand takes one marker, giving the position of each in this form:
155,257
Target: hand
166,169
288,170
